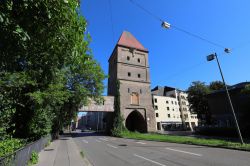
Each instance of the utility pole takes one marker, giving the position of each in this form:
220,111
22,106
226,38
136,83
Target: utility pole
210,58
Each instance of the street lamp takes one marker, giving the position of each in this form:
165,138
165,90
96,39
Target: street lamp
210,58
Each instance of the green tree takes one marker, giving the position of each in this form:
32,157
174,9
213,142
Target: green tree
47,70
216,85
198,101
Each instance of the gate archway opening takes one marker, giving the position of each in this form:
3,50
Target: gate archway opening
136,122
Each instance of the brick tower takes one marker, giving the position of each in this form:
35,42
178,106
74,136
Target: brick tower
128,63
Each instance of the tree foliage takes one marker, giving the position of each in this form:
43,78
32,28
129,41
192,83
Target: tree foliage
216,85
198,101
118,125
46,67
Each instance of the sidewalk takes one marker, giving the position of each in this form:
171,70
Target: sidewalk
62,152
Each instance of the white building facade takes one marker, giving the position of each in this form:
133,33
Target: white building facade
172,109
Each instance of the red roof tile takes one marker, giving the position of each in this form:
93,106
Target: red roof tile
128,40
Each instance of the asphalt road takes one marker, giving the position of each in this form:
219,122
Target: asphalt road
110,151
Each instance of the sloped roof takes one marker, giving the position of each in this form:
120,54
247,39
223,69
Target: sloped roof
128,40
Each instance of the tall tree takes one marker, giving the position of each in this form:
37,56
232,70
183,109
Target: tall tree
46,67
198,101
216,85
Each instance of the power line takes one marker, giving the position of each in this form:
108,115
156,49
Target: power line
175,27
197,36
111,19
145,10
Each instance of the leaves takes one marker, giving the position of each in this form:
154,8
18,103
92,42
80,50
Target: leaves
198,101
47,70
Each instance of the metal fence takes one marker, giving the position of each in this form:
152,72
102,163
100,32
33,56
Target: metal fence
22,156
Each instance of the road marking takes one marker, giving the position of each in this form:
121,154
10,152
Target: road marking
141,143
85,141
184,152
112,146
149,160
104,139
98,140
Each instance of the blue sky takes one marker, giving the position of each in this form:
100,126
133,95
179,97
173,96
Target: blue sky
176,59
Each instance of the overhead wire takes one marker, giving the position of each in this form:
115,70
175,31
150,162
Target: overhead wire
175,27
111,19
184,70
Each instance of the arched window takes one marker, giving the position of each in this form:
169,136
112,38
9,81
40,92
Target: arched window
135,98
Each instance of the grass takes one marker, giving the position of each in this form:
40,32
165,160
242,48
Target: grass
185,140
82,154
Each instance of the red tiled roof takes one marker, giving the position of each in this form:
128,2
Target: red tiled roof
128,40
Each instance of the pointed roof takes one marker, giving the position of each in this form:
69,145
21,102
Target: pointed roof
128,40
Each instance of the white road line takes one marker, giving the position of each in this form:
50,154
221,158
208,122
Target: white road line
184,152
98,140
104,139
141,143
149,160
112,146
85,141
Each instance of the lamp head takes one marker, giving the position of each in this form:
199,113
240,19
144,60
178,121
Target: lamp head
210,57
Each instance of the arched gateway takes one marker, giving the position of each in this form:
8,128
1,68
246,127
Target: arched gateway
136,122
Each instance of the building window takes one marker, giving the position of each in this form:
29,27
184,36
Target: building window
157,115
169,115
139,75
129,74
167,101
140,91
172,102
128,58
135,98
168,108
138,60
156,107
155,100
175,103
128,90
173,109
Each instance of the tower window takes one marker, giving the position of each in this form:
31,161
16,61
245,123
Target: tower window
129,74
128,58
135,98
139,75
138,60
157,115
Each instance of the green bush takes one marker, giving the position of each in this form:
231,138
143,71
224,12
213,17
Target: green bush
10,145
34,158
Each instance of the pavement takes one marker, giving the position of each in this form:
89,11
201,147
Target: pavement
103,150
62,152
